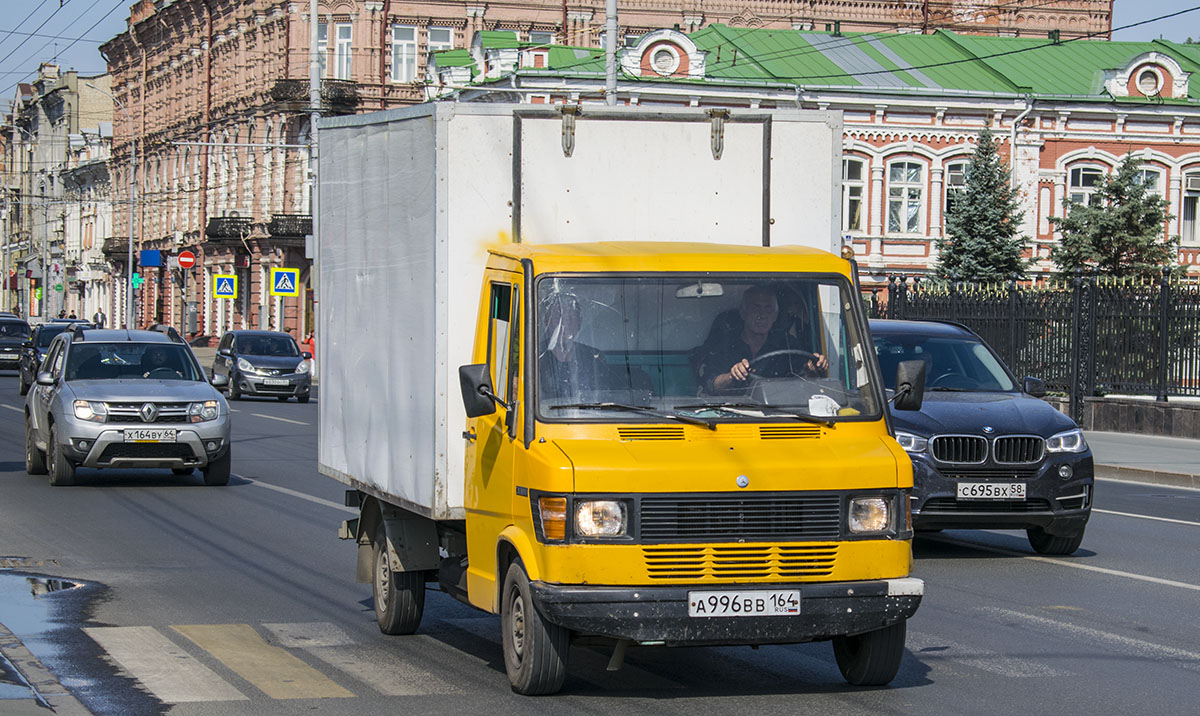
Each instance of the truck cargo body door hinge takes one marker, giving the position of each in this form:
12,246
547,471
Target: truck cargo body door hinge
569,112
718,131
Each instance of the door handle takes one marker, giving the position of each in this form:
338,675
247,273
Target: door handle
469,435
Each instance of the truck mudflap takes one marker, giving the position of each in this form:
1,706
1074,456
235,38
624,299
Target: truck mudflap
659,615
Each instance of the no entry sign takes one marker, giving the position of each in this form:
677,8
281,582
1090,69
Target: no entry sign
187,259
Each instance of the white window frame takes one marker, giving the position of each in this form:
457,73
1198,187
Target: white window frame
954,181
1140,178
323,47
911,192
1079,192
404,53
854,190
1189,210
343,51
439,45
543,37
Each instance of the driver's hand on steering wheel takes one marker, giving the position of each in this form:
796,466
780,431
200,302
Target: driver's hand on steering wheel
818,364
740,370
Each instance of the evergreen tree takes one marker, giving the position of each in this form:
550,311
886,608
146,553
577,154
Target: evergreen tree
1120,232
981,242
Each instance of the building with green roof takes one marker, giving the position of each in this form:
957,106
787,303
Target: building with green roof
1065,113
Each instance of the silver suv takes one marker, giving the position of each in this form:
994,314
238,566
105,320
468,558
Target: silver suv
124,399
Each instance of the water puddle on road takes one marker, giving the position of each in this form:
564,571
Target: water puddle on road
26,601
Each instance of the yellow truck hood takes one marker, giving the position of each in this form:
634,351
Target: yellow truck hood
831,462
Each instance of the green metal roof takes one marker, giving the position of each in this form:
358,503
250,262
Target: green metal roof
500,39
454,58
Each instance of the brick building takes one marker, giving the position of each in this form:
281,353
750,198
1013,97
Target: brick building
217,94
912,106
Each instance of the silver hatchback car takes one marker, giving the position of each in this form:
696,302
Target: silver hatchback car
125,399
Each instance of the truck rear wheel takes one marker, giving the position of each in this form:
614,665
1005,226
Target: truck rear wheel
1045,543
399,596
871,659
535,651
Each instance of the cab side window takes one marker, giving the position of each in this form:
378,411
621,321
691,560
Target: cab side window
54,359
503,344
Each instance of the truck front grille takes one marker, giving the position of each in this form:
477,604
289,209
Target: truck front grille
728,563
737,517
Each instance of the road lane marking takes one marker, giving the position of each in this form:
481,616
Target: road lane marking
162,667
13,407
277,673
282,420
1147,517
1137,647
1072,565
978,658
381,670
301,495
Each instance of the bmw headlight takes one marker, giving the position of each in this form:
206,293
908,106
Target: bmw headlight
912,443
869,514
303,367
600,518
1070,441
91,411
246,365
202,412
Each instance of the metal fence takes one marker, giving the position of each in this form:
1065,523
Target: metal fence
1084,337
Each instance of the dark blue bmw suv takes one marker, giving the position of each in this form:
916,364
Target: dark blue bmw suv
986,451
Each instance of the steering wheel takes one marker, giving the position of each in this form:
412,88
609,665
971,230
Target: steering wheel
950,379
786,351
163,372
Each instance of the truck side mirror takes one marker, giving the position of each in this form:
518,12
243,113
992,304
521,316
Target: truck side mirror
478,397
910,385
1035,386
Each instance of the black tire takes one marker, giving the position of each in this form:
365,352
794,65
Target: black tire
182,470
399,596
35,460
1045,543
21,384
535,651
216,473
302,399
873,658
234,393
62,471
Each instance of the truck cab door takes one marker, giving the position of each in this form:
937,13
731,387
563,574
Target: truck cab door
492,440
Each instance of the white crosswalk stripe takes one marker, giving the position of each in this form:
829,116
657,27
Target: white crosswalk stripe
167,671
381,670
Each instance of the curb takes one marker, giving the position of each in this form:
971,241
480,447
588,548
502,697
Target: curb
45,686
1151,477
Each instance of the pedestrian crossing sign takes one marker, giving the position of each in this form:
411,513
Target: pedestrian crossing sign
224,285
285,282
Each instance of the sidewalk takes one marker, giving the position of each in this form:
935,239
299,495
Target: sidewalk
1146,458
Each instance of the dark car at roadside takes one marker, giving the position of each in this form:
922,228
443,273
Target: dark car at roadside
987,452
267,363
13,334
34,349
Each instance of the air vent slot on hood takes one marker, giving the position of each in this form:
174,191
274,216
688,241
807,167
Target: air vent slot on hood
651,433
788,432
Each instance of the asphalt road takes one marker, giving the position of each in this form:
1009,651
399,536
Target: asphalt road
241,600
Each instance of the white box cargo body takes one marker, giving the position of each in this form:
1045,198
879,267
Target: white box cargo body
410,201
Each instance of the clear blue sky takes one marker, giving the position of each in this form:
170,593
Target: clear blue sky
71,31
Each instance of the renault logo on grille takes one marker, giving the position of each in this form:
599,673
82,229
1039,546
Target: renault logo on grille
149,412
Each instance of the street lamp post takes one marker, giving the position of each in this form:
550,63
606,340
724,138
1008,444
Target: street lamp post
132,169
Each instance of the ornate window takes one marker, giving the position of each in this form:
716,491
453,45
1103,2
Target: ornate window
404,53
1083,184
323,46
853,187
1151,179
906,187
1189,223
343,51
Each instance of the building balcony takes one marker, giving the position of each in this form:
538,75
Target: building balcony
336,95
290,226
115,247
228,228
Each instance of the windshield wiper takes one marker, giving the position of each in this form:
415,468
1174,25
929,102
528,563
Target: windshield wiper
637,409
735,408
944,389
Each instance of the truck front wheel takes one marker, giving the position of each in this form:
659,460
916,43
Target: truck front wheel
399,596
871,659
535,651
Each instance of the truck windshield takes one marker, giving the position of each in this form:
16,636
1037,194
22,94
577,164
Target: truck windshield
713,347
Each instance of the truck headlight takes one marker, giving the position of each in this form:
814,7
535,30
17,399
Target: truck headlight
201,412
868,514
91,411
912,443
600,518
1070,441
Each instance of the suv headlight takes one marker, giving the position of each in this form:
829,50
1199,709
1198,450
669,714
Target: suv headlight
246,365
1069,441
868,514
601,518
201,412
91,410
303,367
912,443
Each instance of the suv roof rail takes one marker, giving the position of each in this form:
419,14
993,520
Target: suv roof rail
76,330
169,330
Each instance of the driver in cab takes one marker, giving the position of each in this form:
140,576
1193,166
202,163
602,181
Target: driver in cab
157,364
734,352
